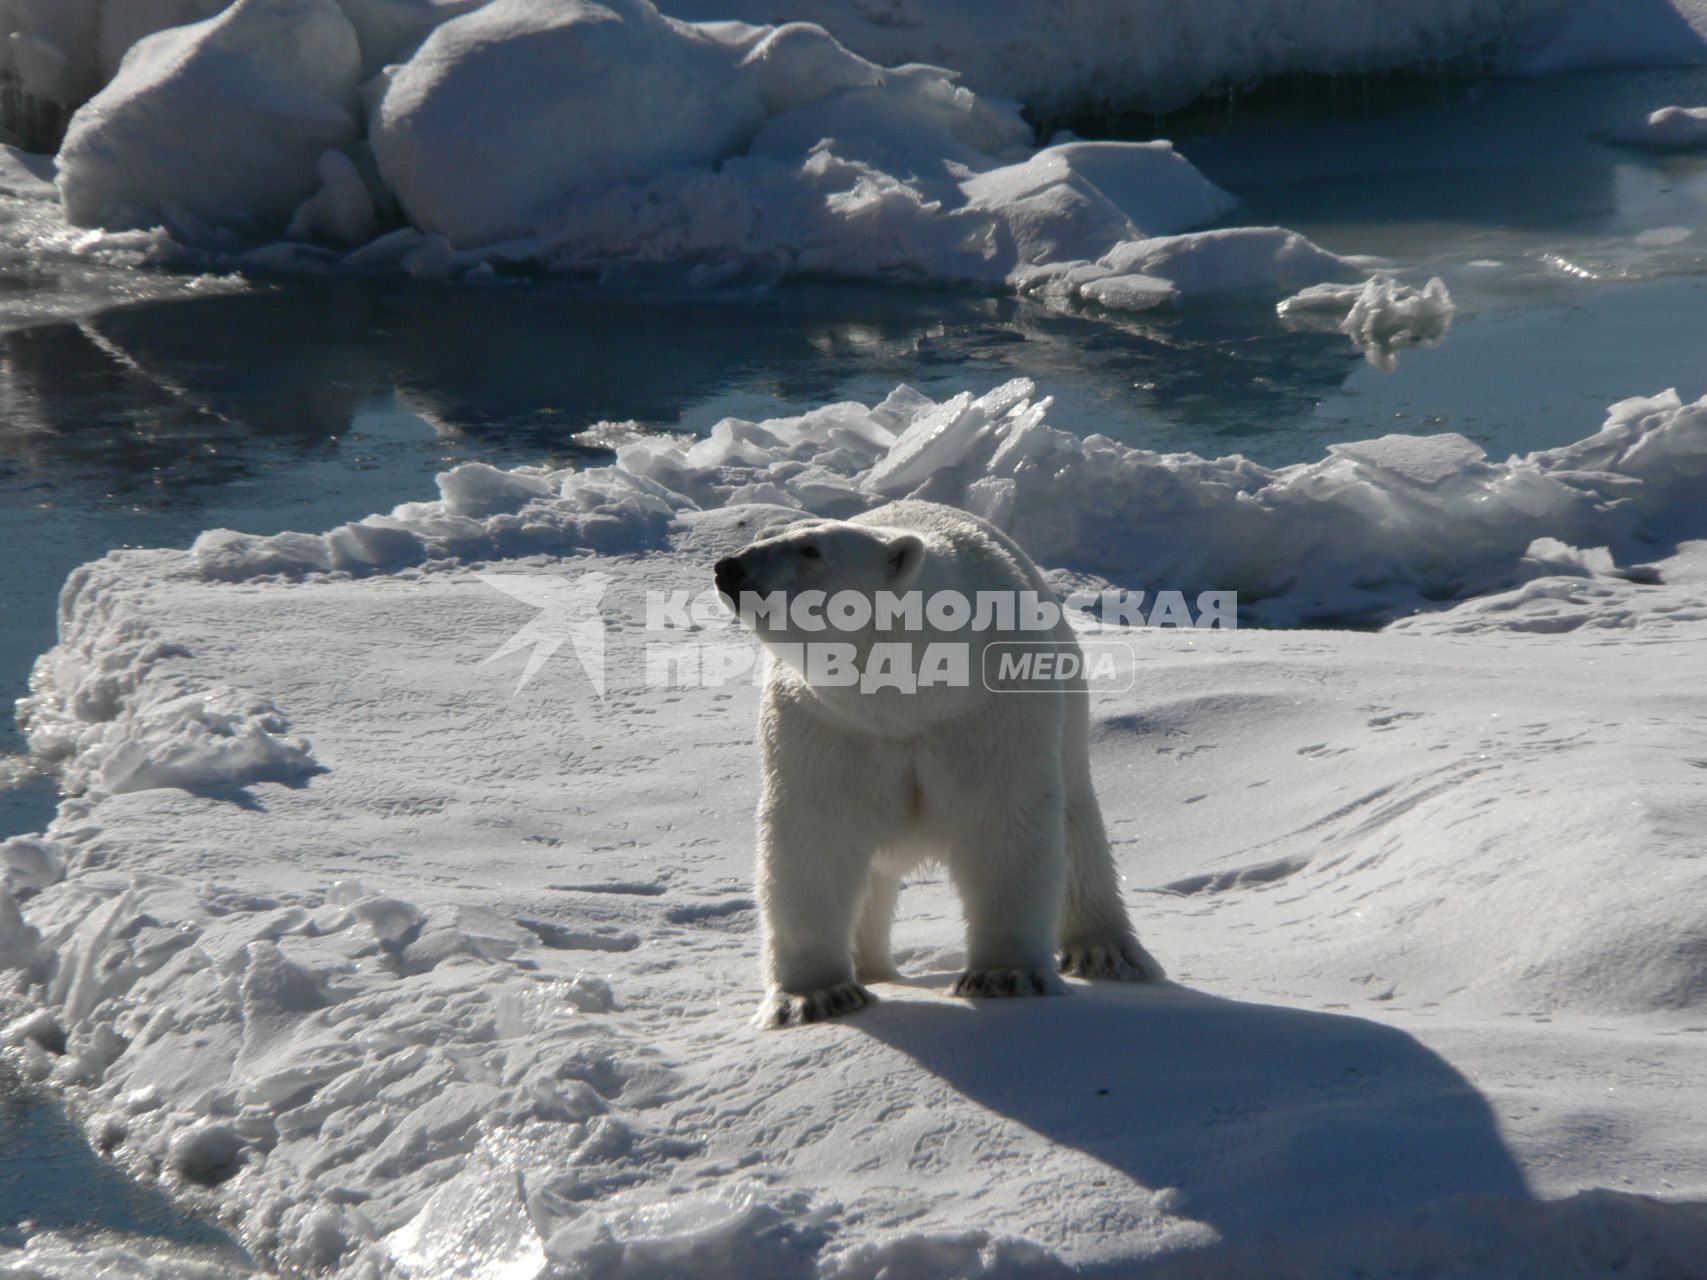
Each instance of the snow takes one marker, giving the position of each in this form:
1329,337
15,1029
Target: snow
585,137
1382,316
1084,56
780,152
400,965
27,864
519,106
1373,531
1058,58
788,152
1596,34
342,210
534,133
783,151
67,50
473,1000
269,86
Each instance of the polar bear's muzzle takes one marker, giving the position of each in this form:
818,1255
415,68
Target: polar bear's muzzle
731,578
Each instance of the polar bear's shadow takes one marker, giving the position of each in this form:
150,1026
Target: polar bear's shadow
1263,1117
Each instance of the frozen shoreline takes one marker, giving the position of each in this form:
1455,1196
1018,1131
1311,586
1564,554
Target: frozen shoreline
443,140
398,972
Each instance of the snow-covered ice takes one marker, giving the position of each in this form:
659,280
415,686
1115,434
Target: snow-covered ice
377,930
582,136
469,992
1382,315
1067,56
263,89
1371,532
1056,57
456,138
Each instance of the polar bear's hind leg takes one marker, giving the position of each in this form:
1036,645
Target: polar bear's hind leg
872,959
1097,940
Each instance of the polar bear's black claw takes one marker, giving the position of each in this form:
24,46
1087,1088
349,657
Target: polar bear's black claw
791,1009
1125,961
1008,982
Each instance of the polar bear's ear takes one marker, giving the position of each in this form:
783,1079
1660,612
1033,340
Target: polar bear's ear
905,554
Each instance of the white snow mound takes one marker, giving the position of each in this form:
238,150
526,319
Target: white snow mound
1065,56
1376,529
584,137
580,135
219,124
1382,316
116,715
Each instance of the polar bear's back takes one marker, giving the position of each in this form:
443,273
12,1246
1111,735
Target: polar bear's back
975,541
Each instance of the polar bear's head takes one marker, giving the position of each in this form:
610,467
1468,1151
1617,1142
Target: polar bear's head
828,556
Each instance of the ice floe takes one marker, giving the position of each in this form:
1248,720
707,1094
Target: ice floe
1376,529
1382,316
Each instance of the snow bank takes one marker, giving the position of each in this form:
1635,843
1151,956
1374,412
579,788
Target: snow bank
508,112
1376,529
215,125
581,137
786,151
1061,57
66,50
1057,58
533,133
517,1044
91,717
1382,316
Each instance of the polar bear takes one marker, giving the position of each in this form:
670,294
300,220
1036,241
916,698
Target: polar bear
864,780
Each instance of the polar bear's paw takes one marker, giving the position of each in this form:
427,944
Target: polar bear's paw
979,983
1123,961
791,1008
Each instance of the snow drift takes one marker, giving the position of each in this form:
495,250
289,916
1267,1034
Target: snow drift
129,726
1056,58
1062,57
456,138
536,132
579,136
473,1001
1377,529
218,124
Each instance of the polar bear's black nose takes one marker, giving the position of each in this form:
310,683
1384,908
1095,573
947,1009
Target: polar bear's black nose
730,573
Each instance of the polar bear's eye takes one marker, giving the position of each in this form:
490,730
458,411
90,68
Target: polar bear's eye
810,552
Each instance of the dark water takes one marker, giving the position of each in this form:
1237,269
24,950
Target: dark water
50,1180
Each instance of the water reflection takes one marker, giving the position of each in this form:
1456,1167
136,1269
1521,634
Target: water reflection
191,387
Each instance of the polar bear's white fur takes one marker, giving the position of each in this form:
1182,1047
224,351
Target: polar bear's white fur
862,785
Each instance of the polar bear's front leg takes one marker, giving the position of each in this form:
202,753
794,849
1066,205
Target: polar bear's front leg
811,885
1010,868
831,799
